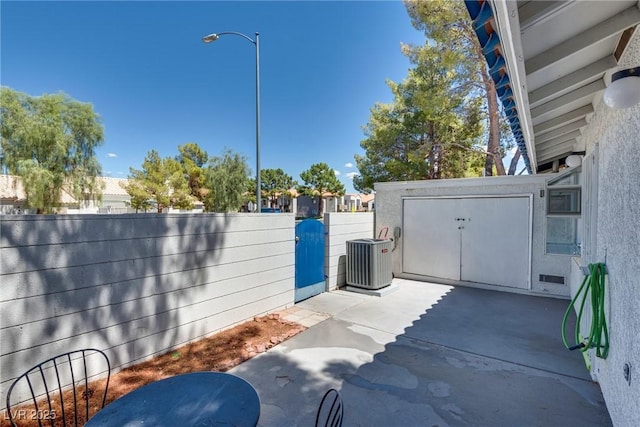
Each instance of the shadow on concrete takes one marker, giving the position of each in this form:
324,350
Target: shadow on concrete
473,357
291,383
483,358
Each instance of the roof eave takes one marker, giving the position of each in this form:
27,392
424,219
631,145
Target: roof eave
508,27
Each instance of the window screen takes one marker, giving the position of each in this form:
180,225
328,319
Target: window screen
564,201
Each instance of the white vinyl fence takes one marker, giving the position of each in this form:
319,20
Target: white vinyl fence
340,227
135,285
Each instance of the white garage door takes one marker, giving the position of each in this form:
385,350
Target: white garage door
475,239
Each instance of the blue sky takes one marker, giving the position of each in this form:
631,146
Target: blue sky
156,85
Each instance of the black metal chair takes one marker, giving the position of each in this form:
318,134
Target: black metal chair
41,390
330,411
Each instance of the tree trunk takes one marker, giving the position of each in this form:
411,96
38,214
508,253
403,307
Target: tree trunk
493,145
514,162
320,206
439,162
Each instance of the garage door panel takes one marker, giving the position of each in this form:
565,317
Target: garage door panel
431,240
491,246
495,242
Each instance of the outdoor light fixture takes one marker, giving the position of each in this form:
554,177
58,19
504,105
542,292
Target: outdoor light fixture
573,160
624,90
210,38
215,36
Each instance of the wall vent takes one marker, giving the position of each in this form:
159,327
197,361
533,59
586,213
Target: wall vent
548,278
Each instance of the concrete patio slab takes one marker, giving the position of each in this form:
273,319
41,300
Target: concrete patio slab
374,292
332,303
429,355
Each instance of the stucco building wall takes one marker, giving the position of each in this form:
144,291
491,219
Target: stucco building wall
617,136
389,198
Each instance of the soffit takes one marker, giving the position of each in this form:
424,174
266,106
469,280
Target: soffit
563,54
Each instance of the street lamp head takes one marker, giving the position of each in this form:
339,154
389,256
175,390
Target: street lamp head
210,38
215,36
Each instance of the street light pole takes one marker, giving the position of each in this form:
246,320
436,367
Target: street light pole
258,184
215,36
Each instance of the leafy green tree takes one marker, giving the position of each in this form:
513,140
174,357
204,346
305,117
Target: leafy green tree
50,141
276,182
3,163
431,128
140,198
449,30
318,180
160,181
227,177
193,160
249,195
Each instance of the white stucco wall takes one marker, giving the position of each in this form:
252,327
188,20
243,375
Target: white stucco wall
617,133
389,214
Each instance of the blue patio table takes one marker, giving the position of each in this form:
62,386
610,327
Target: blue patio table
195,399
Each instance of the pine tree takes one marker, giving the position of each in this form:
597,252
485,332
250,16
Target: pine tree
318,180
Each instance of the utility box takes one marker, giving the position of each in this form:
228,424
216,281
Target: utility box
369,263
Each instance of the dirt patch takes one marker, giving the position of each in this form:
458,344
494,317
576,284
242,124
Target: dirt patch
219,352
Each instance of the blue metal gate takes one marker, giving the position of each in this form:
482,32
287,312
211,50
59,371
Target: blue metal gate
309,259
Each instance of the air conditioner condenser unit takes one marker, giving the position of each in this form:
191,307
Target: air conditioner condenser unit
369,263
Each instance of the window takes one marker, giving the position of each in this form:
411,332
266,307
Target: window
564,201
567,179
562,233
563,213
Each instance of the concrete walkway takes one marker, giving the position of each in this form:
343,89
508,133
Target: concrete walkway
428,355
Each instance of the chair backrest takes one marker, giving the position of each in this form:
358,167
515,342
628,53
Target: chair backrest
58,391
330,411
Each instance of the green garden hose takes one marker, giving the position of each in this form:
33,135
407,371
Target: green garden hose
592,285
